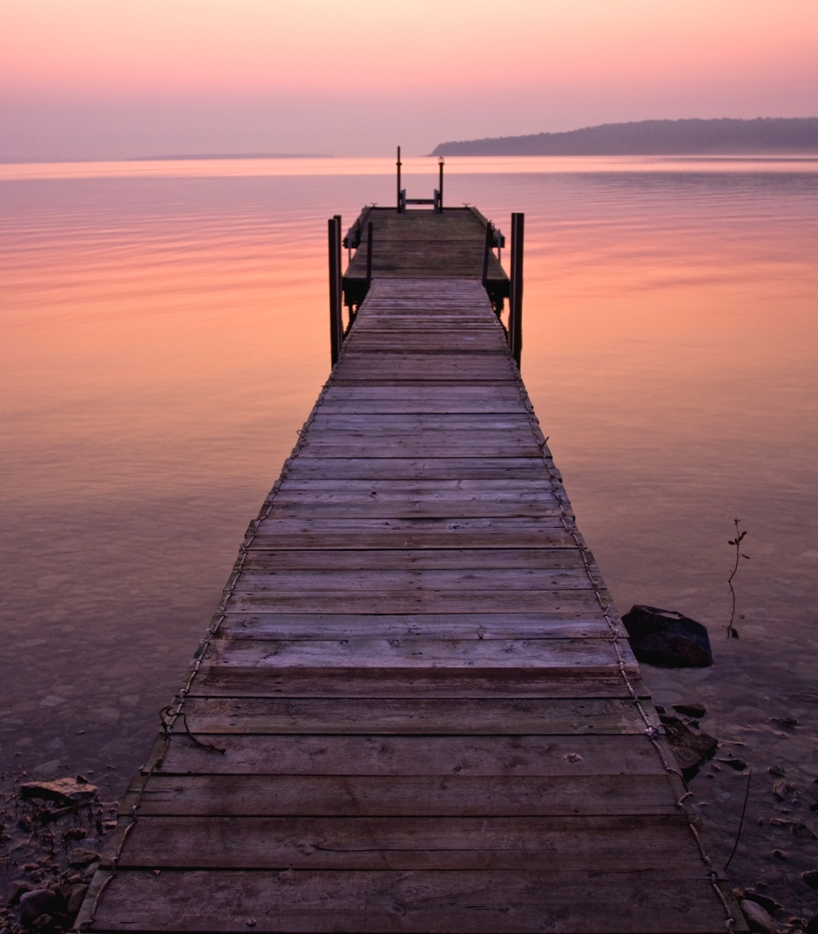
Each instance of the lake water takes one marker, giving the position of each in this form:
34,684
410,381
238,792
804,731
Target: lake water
165,334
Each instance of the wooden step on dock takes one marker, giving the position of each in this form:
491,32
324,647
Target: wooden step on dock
415,710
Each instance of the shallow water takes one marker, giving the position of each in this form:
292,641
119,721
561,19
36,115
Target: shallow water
165,337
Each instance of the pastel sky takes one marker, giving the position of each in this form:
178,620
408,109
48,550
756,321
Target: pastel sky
109,78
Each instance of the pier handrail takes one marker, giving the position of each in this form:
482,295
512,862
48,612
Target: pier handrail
336,323
515,298
436,201
403,201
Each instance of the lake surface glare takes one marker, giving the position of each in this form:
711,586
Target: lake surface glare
165,336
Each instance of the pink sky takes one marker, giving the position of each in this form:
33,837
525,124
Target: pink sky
97,78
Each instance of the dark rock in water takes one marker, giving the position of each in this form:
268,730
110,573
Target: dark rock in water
36,903
782,790
697,711
17,890
667,639
738,764
81,856
802,831
757,918
64,791
811,878
768,904
690,749
777,770
75,899
789,723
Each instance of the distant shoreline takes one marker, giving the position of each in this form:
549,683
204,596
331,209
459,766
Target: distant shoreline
200,157
727,137
241,155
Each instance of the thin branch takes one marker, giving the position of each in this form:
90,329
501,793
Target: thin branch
741,822
732,632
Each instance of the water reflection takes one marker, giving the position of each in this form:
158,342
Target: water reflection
164,338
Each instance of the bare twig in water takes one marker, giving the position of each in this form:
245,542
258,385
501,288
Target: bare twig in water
732,632
741,822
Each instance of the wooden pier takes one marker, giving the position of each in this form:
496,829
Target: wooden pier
415,709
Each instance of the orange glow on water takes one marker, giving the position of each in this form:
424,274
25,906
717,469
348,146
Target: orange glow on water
165,333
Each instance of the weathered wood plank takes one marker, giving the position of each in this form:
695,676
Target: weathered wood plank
412,683
306,626
407,404
506,393
415,504
391,369
428,468
478,440
401,716
491,902
388,580
441,559
518,755
633,843
559,603
432,489
544,655
315,795
409,533
413,447
463,421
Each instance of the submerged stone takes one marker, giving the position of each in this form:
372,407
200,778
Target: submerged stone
757,918
667,639
64,791
690,749
36,903
697,711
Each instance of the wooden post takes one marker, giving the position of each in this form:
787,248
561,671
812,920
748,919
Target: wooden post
440,188
487,255
399,163
368,255
339,268
515,301
336,326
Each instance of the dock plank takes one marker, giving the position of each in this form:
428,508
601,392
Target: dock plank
403,796
470,716
374,754
417,843
489,902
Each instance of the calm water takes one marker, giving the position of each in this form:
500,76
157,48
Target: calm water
165,337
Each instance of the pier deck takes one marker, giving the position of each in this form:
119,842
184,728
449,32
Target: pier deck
427,244
415,709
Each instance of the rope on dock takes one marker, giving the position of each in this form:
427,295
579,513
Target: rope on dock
651,731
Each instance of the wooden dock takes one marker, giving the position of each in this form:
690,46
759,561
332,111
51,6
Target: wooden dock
415,709
449,244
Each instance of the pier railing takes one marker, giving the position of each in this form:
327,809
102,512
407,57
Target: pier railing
351,287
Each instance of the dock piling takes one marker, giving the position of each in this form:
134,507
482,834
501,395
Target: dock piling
440,185
368,255
487,254
515,300
336,324
399,191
